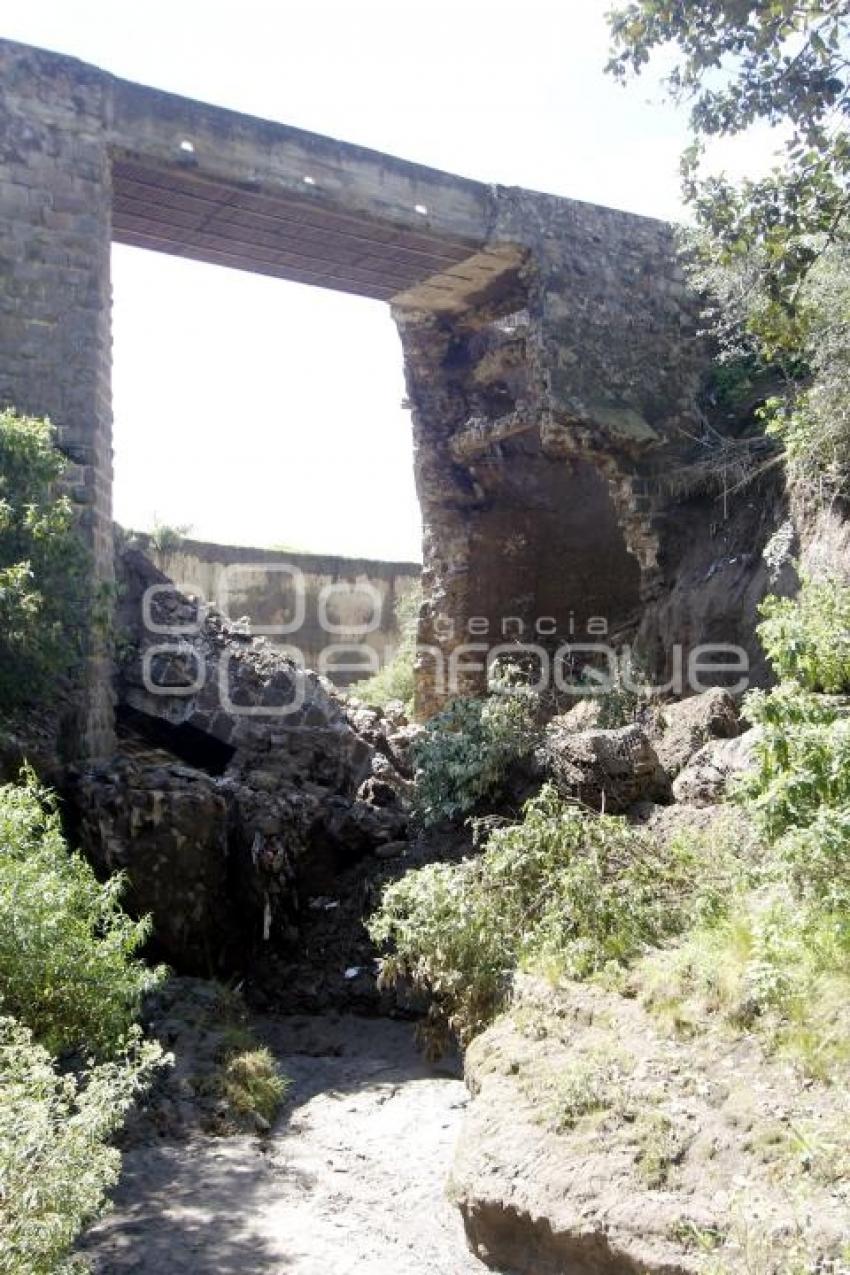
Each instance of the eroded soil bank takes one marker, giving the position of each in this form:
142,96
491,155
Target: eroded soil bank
351,1179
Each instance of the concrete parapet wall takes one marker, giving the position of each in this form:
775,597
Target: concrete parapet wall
338,614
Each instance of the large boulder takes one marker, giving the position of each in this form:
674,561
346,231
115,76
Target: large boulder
687,724
608,770
711,771
165,826
583,715
225,865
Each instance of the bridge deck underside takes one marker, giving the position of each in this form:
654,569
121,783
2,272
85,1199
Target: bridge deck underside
178,211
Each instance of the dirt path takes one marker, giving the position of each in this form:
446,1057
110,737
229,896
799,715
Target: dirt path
351,1180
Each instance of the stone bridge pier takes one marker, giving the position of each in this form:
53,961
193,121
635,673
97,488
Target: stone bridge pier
550,349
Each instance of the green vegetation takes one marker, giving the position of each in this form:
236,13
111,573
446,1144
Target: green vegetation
42,565
623,701
812,418
245,1079
592,1083
468,749
396,680
565,892
766,966
803,758
68,982
70,985
166,539
660,1146
773,251
807,639
778,959
66,948
759,907
56,1163
803,777
252,1084
733,384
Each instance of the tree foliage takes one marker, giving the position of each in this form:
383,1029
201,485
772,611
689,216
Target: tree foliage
774,250
42,564
780,62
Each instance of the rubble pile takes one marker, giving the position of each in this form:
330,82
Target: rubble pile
244,787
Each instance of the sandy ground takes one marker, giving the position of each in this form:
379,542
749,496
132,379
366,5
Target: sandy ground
352,1179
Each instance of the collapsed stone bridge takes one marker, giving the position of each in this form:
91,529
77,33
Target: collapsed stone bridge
550,347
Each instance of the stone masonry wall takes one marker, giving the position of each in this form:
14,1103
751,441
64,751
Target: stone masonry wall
55,203
543,415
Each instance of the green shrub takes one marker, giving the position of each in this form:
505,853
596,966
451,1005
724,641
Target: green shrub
66,948
803,756
807,638
468,749
818,861
246,1084
800,791
42,565
165,539
812,419
623,701
800,797
397,679
56,1164
564,891
252,1083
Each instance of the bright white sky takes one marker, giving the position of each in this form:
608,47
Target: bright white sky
262,412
